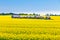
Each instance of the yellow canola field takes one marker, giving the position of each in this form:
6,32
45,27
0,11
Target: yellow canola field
33,29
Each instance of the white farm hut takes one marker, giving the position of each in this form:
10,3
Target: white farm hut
15,16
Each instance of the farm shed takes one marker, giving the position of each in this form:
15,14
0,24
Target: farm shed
15,16
48,17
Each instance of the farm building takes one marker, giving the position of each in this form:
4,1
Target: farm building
48,17
15,16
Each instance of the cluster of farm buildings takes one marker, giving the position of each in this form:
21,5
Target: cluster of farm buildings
38,16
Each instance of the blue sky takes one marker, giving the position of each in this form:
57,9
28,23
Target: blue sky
29,5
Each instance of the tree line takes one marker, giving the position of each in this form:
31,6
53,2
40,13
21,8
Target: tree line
27,14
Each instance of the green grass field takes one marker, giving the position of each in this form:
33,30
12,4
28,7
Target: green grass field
29,29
